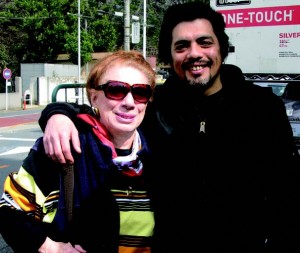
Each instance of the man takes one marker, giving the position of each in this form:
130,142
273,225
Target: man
225,177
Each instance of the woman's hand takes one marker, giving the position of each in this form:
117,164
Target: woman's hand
50,246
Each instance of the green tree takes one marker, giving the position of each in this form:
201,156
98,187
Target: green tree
48,28
9,37
38,30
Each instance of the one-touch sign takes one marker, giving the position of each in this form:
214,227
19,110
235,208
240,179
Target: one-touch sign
6,73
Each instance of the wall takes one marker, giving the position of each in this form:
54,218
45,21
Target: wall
30,72
40,90
46,86
12,100
40,79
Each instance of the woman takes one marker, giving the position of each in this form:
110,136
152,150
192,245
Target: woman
111,203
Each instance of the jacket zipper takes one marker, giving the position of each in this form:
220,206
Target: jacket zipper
202,127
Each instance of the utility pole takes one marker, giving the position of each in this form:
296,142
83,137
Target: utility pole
127,25
79,45
144,30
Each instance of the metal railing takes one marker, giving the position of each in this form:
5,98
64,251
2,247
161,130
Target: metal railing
67,86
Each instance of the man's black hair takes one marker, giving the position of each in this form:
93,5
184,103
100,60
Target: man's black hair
190,11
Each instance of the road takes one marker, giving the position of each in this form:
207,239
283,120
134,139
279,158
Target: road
18,131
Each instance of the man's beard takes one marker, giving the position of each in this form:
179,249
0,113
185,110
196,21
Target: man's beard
201,83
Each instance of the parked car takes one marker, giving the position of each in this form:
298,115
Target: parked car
290,94
277,88
291,98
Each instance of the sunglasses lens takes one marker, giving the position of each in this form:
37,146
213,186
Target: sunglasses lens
141,92
118,90
115,90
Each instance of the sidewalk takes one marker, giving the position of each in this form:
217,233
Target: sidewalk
4,248
28,107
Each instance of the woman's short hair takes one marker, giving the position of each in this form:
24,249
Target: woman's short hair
131,58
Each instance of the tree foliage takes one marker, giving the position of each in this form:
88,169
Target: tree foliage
36,31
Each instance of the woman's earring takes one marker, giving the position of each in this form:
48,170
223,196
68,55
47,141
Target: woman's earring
96,111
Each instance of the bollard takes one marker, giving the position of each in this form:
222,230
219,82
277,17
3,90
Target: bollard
24,103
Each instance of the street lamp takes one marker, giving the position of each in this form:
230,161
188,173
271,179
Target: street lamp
120,14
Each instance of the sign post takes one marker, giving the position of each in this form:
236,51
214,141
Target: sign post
135,32
7,75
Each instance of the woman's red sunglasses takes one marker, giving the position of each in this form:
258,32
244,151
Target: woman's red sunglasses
118,90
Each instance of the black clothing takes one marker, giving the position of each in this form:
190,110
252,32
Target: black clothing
232,188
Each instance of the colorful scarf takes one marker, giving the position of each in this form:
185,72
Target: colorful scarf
130,165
